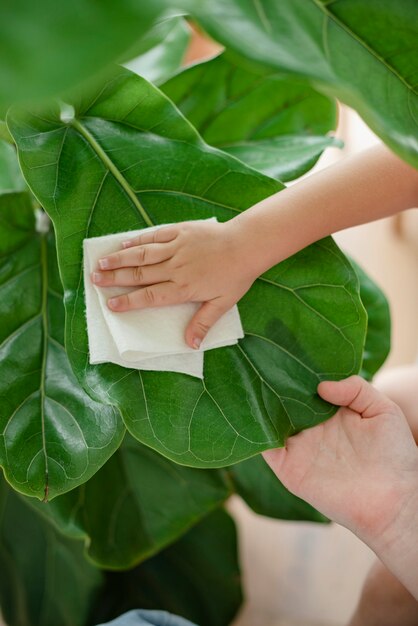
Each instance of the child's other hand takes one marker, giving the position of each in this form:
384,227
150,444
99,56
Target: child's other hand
186,262
360,468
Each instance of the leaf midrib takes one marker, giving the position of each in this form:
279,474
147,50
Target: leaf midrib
76,124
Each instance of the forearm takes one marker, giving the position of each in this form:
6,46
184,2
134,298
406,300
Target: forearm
397,547
360,189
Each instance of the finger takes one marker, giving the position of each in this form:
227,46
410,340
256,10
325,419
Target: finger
162,294
133,276
160,235
139,255
203,320
357,394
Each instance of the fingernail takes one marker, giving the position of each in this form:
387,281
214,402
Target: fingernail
127,244
103,264
113,303
196,343
97,277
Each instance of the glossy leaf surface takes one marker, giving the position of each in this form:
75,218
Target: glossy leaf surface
274,123
135,505
129,159
45,579
198,577
363,53
53,436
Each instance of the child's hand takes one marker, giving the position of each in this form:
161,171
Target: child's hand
190,261
360,468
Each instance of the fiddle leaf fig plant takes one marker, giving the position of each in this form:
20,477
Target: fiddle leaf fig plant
136,465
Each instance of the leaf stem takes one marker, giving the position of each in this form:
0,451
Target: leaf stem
112,168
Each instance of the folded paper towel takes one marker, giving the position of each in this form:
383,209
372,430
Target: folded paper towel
151,338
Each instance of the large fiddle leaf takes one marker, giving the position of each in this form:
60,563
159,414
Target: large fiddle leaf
198,578
53,436
135,505
49,46
363,53
272,122
128,159
44,578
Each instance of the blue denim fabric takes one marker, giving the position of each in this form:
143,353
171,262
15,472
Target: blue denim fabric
148,618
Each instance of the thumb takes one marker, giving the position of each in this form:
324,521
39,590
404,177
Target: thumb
203,320
357,394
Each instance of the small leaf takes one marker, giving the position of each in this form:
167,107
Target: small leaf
45,579
135,505
272,122
198,577
53,435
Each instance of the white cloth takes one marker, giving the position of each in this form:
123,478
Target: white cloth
151,338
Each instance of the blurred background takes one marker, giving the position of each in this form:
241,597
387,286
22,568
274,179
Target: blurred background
298,573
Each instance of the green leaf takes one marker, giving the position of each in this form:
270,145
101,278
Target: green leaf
11,178
53,435
255,482
135,505
166,46
129,159
377,346
49,46
271,122
284,157
363,53
198,578
45,579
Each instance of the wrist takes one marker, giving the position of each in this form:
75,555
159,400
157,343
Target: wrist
278,227
395,538
243,247
258,240
400,523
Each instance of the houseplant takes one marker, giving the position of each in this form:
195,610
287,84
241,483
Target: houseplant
63,420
